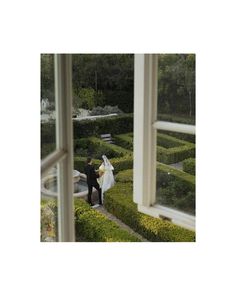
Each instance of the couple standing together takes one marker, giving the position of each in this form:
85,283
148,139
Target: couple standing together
101,179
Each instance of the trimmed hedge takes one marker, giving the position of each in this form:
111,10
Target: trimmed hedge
118,201
124,140
177,118
176,189
93,226
187,137
96,147
119,164
189,166
172,150
85,128
169,150
165,173
113,125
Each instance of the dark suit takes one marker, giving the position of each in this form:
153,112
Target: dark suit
92,182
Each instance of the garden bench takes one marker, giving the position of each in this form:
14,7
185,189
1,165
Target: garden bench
107,138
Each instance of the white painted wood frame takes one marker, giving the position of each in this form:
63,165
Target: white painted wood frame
63,155
145,112
145,132
64,141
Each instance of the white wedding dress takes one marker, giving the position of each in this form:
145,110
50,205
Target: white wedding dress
106,181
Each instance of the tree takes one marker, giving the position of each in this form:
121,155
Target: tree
47,77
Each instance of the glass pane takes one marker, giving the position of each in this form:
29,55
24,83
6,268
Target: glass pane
49,206
176,88
176,171
48,128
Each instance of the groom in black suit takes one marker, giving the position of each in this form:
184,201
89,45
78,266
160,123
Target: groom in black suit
92,181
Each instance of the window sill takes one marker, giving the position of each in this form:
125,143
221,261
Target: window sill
176,217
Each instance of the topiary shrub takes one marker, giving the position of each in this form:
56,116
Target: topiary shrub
118,201
93,226
189,166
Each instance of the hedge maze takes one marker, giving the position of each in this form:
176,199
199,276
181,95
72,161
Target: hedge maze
175,188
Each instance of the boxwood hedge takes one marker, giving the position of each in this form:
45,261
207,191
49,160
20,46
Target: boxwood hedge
85,128
119,164
93,226
169,150
90,225
113,125
189,166
119,202
176,189
95,147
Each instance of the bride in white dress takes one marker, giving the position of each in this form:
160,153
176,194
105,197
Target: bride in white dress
106,179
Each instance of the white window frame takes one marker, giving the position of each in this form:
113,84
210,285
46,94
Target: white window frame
63,155
145,132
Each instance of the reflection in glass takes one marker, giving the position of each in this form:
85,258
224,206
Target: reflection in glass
49,206
176,88
176,172
48,129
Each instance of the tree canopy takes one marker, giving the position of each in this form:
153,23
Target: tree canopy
108,79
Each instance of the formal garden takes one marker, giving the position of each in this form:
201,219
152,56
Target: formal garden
175,187
103,100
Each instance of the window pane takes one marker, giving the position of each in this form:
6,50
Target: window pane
176,171
176,88
49,206
48,128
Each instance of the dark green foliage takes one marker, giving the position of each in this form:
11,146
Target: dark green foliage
177,118
85,128
92,226
113,125
124,140
105,110
47,77
118,201
189,166
172,150
123,163
80,162
176,84
111,74
183,136
175,188
119,164
95,148
46,149
123,98
125,176
167,173
48,133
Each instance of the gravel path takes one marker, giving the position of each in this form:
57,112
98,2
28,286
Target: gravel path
102,210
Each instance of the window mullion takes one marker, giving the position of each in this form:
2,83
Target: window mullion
64,136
